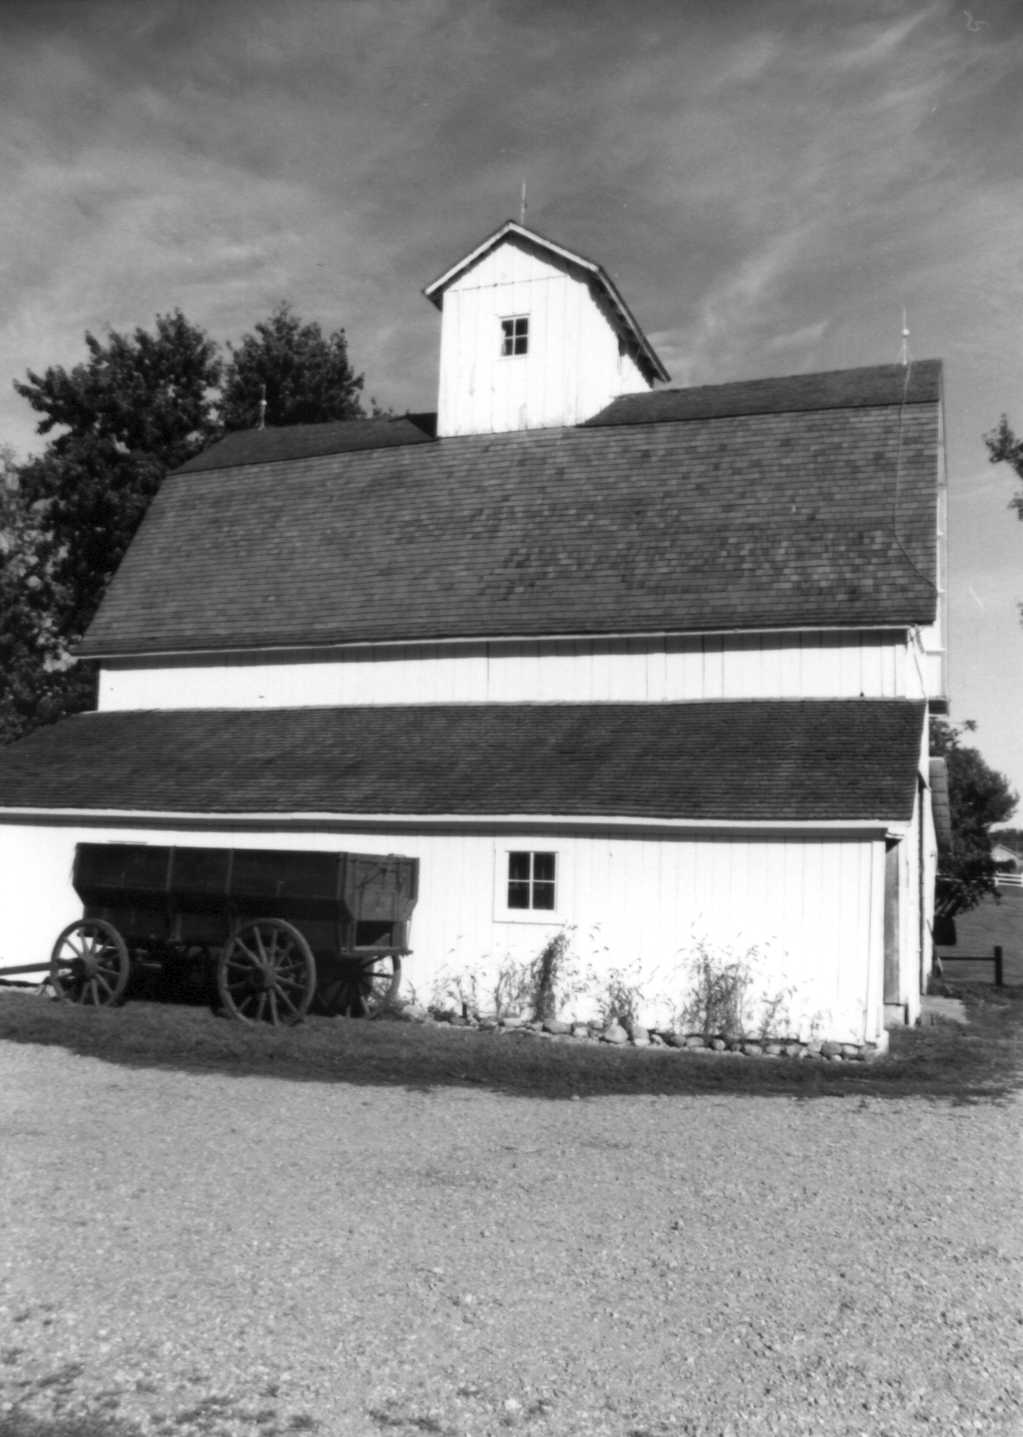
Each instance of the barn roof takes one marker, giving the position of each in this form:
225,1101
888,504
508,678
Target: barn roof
757,760
807,503
878,386
305,441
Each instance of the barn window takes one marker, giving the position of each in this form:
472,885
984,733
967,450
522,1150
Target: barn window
515,335
532,879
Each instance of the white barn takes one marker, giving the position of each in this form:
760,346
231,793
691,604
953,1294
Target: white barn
651,667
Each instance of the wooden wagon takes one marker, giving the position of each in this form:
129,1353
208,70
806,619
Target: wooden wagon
274,930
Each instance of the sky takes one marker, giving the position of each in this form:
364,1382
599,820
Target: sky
768,182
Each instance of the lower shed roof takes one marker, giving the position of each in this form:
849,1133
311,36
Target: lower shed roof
762,761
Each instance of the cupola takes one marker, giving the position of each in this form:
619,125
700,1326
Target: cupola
533,336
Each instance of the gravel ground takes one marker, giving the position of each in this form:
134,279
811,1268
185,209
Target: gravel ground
198,1253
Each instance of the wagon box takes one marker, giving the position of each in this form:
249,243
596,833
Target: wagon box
277,929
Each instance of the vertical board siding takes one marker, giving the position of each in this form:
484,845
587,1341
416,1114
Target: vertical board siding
531,671
800,910
572,367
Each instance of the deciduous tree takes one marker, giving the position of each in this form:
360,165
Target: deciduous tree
979,797
304,375
1005,448
38,679
140,404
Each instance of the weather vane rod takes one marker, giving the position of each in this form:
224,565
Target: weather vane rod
904,354
522,206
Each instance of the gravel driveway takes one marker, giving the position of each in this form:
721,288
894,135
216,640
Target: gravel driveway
196,1253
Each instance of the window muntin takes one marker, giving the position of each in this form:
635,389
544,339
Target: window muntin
532,881
515,335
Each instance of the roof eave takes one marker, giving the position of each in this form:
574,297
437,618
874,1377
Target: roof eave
518,822
81,651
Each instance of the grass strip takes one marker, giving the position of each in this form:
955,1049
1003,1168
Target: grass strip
979,1062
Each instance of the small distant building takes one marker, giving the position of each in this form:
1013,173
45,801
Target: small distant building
649,666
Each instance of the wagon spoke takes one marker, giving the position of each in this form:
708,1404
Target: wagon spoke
285,999
253,956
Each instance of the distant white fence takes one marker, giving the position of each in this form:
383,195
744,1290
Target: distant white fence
1009,880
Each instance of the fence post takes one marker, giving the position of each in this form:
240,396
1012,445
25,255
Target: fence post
999,975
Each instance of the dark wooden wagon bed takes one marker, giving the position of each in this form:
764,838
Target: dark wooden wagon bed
274,930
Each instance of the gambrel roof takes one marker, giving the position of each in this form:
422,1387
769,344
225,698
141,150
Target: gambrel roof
844,760
800,503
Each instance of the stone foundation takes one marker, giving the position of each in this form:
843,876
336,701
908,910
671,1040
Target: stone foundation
634,1035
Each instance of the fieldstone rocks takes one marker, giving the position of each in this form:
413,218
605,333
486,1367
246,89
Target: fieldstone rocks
635,1032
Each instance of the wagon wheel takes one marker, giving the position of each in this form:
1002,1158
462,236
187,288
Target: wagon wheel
266,973
90,963
361,987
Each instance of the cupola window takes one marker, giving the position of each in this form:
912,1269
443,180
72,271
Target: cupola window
515,335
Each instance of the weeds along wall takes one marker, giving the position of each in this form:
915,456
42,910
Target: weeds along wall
804,913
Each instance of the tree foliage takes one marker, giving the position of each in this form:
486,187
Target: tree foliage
38,679
139,405
1005,448
979,797
305,375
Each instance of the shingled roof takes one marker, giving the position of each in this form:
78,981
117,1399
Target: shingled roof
773,760
304,441
879,386
730,513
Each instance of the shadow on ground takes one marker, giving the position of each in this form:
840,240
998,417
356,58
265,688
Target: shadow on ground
979,1062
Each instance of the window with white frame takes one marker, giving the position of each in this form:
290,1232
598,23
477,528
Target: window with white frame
532,881
515,335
